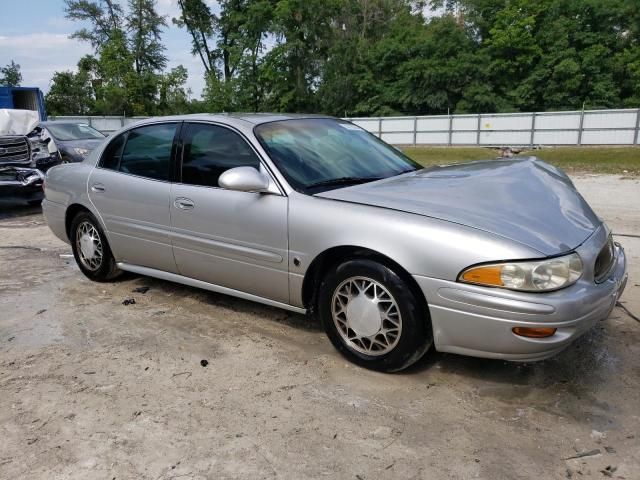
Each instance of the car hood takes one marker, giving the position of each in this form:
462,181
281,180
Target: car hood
89,144
525,200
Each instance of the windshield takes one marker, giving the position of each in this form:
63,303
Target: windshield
318,154
73,131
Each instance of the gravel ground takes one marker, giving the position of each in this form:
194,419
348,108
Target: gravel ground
90,388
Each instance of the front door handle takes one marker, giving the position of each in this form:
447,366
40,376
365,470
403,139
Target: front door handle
97,187
184,203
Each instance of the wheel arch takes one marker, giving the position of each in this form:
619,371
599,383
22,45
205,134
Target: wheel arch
72,211
330,257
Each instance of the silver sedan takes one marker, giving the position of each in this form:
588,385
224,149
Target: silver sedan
500,259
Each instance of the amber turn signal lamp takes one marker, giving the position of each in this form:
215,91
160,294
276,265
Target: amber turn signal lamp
534,332
484,275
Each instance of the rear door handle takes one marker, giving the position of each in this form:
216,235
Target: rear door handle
97,187
184,203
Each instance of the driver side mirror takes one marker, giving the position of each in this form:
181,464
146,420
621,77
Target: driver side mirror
244,179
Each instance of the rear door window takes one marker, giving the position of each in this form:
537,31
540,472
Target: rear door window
147,152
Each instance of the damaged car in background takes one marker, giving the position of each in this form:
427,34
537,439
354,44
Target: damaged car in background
26,153
74,140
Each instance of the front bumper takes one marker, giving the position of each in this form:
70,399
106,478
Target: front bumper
23,182
478,321
24,179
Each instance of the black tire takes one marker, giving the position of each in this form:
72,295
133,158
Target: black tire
415,336
107,269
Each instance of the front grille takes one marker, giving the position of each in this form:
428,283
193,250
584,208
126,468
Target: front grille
604,261
14,150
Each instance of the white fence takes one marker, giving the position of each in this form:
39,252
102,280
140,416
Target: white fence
106,124
590,127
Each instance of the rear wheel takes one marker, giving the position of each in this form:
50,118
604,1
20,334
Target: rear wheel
373,316
91,249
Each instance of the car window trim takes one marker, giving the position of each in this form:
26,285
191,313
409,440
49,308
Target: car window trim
180,160
175,167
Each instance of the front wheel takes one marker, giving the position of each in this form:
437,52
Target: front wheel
373,316
91,249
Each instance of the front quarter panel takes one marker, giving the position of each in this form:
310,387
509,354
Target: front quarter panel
421,245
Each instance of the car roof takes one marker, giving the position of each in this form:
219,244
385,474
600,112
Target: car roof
234,118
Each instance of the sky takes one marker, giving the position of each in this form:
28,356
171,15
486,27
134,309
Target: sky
35,34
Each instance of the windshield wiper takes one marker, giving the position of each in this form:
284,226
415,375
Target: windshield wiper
343,181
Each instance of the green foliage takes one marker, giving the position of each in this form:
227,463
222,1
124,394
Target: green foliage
361,57
382,57
71,93
145,27
197,19
104,16
126,74
173,96
10,75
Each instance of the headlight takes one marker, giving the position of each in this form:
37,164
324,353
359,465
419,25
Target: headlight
81,151
527,276
39,149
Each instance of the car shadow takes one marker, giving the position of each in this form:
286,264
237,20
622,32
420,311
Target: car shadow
220,300
12,207
569,384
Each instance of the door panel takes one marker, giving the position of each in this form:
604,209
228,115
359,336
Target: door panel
234,239
135,207
135,212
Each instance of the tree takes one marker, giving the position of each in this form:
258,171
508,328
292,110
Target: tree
302,30
104,16
145,27
365,57
551,54
197,18
117,87
173,96
230,46
253,24
126,73
10,75
70,94
350,73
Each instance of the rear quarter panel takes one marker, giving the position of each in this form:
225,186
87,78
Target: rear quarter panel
66,185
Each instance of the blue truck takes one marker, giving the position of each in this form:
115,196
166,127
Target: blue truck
25,150
23,98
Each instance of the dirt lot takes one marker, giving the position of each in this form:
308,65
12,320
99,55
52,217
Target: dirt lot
93,389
